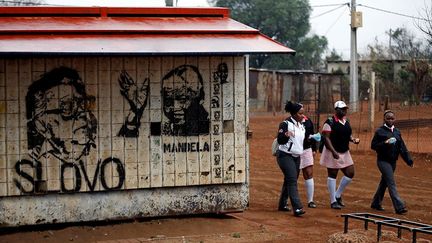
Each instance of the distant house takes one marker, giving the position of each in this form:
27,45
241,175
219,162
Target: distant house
365,66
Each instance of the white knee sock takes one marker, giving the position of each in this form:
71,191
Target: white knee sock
309,184
343,183
331,186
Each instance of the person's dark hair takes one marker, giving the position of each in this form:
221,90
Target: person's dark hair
387,112
292,107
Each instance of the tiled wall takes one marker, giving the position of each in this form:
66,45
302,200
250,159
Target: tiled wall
82,124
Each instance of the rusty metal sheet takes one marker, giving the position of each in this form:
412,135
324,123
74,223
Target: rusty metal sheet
139,31
140,44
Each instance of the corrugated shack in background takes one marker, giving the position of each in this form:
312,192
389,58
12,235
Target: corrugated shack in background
110,113
270,89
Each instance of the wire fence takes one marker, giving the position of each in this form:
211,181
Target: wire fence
414,122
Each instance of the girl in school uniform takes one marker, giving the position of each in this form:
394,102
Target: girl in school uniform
307,160
388,144
290,138
335,155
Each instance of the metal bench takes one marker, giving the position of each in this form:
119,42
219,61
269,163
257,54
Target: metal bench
381,220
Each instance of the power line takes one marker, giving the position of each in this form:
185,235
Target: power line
329,11
391,12
333,24
329,5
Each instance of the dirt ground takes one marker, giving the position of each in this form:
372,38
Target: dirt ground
261,222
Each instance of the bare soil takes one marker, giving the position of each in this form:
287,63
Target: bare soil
261,222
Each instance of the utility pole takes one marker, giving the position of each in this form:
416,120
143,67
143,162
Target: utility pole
356,21
372,102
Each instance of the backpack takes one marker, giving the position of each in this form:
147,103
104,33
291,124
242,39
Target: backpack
275,144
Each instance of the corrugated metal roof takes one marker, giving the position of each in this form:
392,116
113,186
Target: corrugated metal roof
140,31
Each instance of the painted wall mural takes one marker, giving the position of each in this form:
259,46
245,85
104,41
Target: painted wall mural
100,124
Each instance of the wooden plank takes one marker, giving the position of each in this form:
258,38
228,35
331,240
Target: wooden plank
2,76
90,70
168,160
50,63
239,63
78,63
204,159
116,64
181,161
247,116
193,161
2,67
38,64
228,158
11,75
225,74
11,187
131,171
155,161
52,170
25,69
130,63
62,61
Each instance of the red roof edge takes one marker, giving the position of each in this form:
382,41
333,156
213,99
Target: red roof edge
112,11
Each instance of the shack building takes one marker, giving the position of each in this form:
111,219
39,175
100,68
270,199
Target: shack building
110,113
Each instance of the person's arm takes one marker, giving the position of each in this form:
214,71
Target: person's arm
377,142
405,153
282,137
312,141
327,142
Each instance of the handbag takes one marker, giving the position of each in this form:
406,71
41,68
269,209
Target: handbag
274,147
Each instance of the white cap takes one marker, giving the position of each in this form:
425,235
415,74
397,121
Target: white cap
340,104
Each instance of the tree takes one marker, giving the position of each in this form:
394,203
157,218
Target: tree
286,21
425,25
422,78
334,56
411,82
20,2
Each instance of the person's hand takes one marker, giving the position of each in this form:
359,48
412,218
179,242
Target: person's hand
335,155
356,140
410,163
134,94
289,134
391,140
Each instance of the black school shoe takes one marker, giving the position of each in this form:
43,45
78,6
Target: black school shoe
285,209
312,205
402,211
298,212
378,208
336,205
339,201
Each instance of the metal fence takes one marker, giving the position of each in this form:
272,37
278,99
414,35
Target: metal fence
414,122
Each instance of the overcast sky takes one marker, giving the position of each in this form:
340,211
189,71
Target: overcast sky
335,25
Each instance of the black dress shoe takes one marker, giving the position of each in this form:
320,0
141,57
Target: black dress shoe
299,212
285,209
379,207
312,205
402,211
339,201
335,205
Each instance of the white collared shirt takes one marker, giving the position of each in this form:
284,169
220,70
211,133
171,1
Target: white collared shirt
391,128
294,146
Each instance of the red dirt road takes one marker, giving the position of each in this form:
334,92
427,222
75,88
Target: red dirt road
261,222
